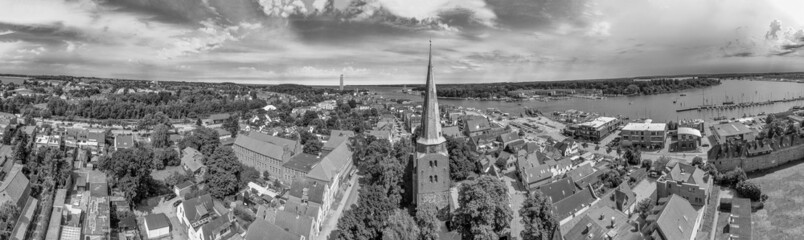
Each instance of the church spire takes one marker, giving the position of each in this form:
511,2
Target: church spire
431,121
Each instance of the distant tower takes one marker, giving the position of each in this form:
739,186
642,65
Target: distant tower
431,176
341,82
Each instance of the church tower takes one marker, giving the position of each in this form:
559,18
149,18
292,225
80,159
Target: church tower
431,176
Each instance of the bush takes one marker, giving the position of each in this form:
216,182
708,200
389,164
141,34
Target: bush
733,177
697,161
750,190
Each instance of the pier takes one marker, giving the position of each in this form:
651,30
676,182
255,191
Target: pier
738,105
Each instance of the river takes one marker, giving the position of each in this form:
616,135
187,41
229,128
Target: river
659,107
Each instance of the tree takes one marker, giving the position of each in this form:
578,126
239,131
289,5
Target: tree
647,164
770,119
484,212
167,157
176,178
160,137
613,178
585,144
223,177
632,156
266,174
368,218
132,167
644,207
733,177
232,124
249,174
751,190
310,143
198,122
205,140
462,160
401,226
352,103
537,217
697,161
427,219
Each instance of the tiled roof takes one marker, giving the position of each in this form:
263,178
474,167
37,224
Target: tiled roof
124,141
302,162
217,226
477,124
334,161
558,190
572,204
581,172
192,158
268,149
14,184
219,116
452,131
156,221
263,230
336,137
314,190
294,223
677,218
509,137
195,208
309,209
586,229
741,213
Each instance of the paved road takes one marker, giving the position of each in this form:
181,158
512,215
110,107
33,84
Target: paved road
517,198
346,201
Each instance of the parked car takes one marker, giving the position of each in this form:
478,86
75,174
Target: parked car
176,204
170,196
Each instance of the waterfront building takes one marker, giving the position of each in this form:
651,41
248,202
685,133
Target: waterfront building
597,129
431,177
734,131
646,135
687,139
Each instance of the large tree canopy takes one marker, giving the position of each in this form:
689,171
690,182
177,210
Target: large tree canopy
484,212
537,217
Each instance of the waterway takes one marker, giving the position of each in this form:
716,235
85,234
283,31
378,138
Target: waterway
659,107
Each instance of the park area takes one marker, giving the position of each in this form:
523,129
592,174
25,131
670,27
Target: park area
784,210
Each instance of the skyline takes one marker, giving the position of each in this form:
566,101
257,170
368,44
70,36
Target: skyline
377,42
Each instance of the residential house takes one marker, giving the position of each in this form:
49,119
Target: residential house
296,224
15,187
567,147
624,198
157,226
672,219
192,161
123,142
261,229
574,205
205,219
511,140
475,126
646,135
215,120
97,222
559,189
265,152
687,181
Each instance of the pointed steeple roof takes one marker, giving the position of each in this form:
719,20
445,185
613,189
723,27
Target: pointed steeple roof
431,121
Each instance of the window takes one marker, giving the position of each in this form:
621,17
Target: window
431,178
436,178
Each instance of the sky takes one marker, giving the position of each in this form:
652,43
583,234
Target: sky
375,42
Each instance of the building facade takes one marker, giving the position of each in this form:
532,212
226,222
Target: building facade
597,129
646,135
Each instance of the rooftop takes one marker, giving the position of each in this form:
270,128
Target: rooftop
689,131
731,129
741,218
156,221
677,218
302,162
598,122
645,127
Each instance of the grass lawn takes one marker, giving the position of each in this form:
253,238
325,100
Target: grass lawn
784,211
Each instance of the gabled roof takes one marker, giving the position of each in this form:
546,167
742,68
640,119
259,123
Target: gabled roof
294,223
219,116
192,158
336,138
741,214
263,230
509,137
335,161
302,162
558,190
574,203
124,141
14,184
581,172
587,229
196,208
269,149
538,173
307,189
677,218
474,124
215,227
309,209
688,174
156,221
452,131
624,193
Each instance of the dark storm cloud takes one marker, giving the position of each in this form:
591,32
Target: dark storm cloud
49,34
194,11
534,14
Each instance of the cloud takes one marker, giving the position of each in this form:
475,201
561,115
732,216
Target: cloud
775,26
599,29
70,46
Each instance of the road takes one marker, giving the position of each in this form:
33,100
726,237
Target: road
346,201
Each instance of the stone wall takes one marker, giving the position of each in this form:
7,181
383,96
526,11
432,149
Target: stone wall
750,164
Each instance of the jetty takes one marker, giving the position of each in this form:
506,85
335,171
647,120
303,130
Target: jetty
732,106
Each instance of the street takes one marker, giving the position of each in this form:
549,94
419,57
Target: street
347,200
